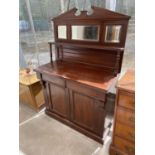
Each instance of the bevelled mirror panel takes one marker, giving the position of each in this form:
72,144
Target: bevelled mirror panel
62,32
85,32
112,34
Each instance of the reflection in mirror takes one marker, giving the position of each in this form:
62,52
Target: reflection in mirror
112,34
87,33
62,32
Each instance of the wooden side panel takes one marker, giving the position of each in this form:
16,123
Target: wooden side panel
123,142
126,100
38,94
125,116
124,145
115,151
25,96
125,131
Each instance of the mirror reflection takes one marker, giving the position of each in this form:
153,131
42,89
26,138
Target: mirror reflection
85,32
62,32
112,34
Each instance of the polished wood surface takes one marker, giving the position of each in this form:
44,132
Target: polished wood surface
126,117
77,83
92,76
126,100
116,151
99,53
100,17
109,58
125,131
123,142
124,145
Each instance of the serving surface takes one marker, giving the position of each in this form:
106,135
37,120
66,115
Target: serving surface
92,76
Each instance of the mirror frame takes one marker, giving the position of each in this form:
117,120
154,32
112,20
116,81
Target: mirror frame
87,40
119,37
123,33
58,32
102,28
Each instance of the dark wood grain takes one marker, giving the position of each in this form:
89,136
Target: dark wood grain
123,142
76,84
94,77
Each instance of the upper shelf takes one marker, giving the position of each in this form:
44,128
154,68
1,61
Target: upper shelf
107,48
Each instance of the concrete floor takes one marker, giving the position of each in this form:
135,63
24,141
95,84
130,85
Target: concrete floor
42,135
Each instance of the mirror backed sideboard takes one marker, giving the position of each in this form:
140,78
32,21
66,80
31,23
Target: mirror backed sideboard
89,52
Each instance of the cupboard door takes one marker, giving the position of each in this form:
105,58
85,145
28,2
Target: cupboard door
58,99
87,112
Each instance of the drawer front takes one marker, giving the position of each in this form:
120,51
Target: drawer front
124,145
125,116
126,100
125,131
53,79
82,89
115,151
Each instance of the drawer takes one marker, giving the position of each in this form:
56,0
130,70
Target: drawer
115,151
125,116
124,145
54,79
82,89
126,100
125,131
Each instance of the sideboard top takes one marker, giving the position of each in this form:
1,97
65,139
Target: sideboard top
84,74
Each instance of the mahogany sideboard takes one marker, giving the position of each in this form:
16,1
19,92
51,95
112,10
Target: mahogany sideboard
124,125
89,52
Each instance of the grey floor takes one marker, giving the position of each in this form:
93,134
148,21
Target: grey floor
42,135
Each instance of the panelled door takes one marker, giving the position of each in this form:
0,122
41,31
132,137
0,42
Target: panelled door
58,99
87,111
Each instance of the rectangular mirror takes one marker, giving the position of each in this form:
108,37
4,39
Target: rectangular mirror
112,33
62,32
85,32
